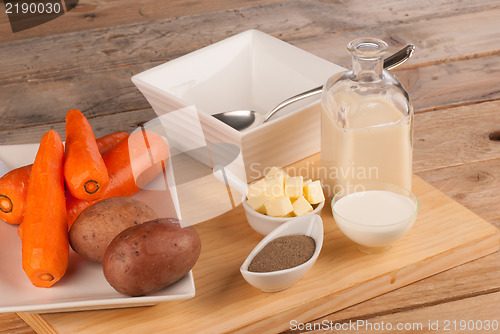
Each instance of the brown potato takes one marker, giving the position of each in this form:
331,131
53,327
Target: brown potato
98,224
148,257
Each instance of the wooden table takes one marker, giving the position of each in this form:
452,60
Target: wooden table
85,59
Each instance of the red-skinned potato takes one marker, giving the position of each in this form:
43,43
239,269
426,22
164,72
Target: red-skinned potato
150,256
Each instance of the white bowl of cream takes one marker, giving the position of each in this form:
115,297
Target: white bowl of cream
375,215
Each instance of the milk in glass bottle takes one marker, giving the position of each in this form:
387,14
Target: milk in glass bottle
366,123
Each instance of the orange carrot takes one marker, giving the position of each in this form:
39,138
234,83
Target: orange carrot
45,246
131,165
107,142
84,170
74,207
13,188
14,184
135,162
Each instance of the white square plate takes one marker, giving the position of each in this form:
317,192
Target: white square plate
83,287
250,71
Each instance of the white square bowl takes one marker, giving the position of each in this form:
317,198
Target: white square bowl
251,70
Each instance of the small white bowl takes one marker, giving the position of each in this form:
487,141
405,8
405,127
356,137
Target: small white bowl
310,225
363,224
265,224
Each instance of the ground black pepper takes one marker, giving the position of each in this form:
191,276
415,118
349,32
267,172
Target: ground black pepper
283,253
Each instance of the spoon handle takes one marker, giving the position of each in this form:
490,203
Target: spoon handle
399,57
390,62
293,99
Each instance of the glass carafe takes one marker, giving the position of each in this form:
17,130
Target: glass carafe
366,123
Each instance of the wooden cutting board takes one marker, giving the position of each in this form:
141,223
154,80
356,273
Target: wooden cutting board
445,235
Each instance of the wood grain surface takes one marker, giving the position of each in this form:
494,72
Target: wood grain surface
445,235
95,73
85,59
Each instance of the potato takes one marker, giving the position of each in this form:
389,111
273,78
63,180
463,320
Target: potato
148,257
98,224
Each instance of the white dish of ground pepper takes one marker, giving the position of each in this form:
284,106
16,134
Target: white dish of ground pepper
284,255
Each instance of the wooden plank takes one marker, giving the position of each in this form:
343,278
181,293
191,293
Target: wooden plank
455,136
440,60
457,82
104,14
160,41
474,185
107,13
442,318
476,278
38,326
101,125
436,39
224,300
112,92
11,324
103,92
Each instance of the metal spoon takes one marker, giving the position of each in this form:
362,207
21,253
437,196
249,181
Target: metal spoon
245,119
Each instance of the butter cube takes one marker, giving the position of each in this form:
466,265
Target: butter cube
257,202
294,186
275,171
256,189
313,192
279,207
301,206
275,186
304,186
